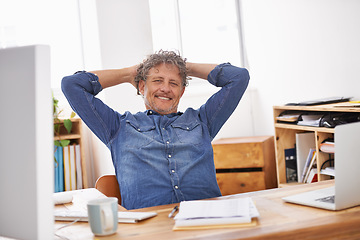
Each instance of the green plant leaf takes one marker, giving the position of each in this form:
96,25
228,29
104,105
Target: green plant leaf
73,114
64,143
57,143
68,125
56,127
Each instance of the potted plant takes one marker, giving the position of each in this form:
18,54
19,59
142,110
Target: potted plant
57,125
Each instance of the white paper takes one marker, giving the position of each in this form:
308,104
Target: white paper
123,217
224,208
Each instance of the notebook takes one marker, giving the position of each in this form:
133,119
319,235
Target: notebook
346,192
82,216
75,207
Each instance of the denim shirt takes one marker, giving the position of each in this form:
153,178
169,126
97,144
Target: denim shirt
160,159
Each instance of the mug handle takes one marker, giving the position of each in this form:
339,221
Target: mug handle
108,219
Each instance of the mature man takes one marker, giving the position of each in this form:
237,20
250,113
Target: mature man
161,156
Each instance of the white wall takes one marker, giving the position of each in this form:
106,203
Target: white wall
125,39
300,50
297,50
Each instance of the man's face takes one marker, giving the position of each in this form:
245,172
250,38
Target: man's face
163,89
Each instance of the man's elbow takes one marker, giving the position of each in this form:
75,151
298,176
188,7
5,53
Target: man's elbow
246,75
66,84
243,77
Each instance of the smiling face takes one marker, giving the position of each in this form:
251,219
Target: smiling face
163,89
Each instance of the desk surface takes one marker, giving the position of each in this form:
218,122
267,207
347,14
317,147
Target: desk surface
278,220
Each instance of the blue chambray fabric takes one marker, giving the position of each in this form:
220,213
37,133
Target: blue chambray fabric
160,159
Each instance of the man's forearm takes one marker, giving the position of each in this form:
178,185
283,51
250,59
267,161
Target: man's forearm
200,70
112,77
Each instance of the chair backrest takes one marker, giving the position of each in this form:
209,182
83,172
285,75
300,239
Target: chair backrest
108,185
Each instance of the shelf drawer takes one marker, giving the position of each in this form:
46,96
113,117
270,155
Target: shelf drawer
238,156
246,152
240,182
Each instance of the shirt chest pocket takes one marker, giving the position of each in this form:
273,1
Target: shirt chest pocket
189,132
138,136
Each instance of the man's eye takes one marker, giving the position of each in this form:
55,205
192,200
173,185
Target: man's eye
174,84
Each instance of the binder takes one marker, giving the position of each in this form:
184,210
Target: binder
290,165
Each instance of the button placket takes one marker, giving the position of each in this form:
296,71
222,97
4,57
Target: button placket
169,154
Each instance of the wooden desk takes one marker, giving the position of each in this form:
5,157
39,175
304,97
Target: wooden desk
278,220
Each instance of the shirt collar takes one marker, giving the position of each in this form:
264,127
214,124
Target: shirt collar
152,112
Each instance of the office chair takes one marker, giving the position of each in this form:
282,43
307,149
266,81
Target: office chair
108,185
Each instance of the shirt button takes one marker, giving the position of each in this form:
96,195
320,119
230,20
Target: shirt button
150,112
169,156
167,142
176,187
173,171
139,129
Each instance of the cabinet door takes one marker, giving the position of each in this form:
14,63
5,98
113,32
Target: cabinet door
240,182
241,155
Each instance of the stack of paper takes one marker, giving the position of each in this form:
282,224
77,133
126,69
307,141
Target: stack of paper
216,214
82,216
327,147
310,120
77,207
328,171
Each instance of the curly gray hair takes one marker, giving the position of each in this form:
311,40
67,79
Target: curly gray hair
168,57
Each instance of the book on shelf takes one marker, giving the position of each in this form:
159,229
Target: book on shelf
210,214
67,173
309,162
311,166
72,167
56,170
78,167
313,176
68,168
59,169
290,165
304,143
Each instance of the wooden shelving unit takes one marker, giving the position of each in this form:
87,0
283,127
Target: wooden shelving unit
75,137
285,135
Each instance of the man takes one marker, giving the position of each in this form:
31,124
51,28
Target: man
161,156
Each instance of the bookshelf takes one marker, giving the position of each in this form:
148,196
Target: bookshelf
75,136
285,135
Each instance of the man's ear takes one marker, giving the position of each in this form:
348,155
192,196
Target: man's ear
141,86
183,90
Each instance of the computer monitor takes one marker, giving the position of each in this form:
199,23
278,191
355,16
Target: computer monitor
26,147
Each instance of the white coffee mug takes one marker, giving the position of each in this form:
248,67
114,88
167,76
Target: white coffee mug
103,216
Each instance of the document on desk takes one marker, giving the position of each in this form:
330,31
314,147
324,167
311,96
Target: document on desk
82,216
76,209
204,214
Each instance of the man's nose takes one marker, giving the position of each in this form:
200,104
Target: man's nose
165,87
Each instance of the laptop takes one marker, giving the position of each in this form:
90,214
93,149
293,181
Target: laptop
346,192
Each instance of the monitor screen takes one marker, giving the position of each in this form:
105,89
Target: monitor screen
26,127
